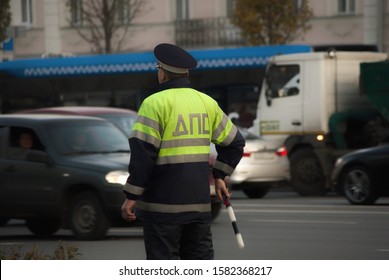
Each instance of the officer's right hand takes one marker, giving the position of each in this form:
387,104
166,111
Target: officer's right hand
128,210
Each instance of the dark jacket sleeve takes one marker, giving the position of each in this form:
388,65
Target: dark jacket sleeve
142,162
229,156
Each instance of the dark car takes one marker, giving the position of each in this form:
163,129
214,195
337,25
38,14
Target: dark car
362,176
72,175
122,118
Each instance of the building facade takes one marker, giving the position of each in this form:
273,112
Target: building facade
46,27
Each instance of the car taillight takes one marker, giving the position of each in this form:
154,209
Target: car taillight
282,151
246,154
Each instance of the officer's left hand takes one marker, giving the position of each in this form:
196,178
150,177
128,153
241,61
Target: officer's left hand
128,210
221,189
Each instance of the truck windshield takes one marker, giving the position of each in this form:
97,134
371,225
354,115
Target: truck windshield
282,81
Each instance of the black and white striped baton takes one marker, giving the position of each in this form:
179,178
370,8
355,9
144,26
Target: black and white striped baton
231,214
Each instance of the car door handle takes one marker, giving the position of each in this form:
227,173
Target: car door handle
296,123
10,169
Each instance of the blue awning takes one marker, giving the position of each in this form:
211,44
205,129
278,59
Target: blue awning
143,62
243,56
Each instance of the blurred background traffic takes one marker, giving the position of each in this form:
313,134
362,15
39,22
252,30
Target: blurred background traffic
305,81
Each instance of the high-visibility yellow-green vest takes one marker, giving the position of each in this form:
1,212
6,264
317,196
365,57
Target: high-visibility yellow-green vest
170,146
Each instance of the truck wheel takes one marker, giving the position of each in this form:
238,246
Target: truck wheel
87,218
256,192
307,177
358,186
43,226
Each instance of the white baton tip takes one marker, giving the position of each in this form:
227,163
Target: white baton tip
231,214
239,239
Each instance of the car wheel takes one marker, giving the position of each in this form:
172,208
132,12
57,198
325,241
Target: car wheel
87,218
307,177
258,192
358,186
42,226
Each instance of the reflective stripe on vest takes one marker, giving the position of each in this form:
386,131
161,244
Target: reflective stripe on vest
180,123
223,167
172,208
133,189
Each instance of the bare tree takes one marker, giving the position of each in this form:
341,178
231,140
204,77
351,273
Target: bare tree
5,18
271,22
105,24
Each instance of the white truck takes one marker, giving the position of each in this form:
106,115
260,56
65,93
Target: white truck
311,104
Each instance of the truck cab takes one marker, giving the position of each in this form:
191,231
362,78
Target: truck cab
306,103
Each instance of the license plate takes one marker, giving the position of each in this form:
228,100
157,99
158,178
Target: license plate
268,156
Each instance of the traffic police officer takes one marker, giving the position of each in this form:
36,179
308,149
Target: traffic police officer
169,166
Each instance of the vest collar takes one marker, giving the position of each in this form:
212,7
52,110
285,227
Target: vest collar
181,82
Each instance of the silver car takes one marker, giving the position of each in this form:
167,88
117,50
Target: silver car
262,166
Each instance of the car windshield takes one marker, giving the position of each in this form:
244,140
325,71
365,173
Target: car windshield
72,138
123,121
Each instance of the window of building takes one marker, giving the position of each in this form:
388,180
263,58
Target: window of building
298,3
122,11
231,5
182,9
346,6
76,12
26,11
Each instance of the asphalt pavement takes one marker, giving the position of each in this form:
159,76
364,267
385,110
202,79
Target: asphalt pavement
280,226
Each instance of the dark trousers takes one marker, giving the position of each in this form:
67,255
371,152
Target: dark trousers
191,241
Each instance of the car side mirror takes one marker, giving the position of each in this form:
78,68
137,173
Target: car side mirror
269,98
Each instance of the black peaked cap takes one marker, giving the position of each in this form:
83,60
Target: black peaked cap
174,56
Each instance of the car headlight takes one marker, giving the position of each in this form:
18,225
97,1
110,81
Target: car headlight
117,177
339,161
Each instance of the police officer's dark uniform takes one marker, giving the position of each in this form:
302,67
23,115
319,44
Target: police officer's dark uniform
169,166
